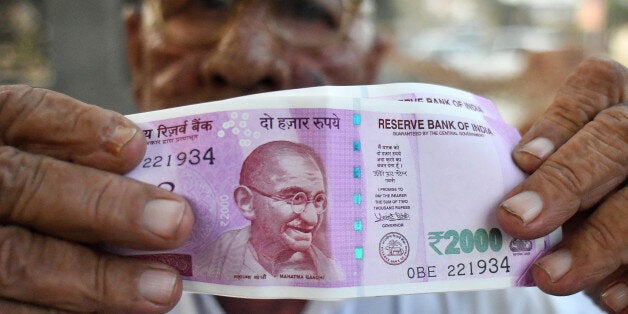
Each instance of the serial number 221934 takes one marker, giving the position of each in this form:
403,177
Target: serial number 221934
193,157
479,267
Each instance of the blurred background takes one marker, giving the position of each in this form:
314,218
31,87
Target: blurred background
514,52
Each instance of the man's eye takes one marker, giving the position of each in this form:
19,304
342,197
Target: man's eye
307,11
299,198
320,200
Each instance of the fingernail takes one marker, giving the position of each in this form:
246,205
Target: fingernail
539,147
616,297
157,286
120,136
163,217
525,205
556,265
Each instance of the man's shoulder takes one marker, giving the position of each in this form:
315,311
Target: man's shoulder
228,247
231,237
326,264
229,243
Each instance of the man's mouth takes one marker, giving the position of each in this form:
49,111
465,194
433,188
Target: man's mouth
300,226
299,231
302,229
294,235
298,235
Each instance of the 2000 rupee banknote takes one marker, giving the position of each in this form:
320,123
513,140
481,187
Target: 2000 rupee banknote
338,192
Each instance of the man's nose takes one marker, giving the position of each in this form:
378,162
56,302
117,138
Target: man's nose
309,214
246,60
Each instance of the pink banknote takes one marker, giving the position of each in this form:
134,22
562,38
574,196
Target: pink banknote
339,192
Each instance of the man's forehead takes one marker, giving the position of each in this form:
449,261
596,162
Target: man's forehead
290,171
291,162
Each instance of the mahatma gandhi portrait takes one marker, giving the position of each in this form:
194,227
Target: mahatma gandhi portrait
283,193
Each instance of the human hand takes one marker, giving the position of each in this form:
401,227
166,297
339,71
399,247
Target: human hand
61,195
577,157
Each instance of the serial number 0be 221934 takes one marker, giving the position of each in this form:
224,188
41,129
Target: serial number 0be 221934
471,268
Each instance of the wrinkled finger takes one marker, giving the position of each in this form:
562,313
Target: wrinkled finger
88,205
596,85
52,124
615,296
52,273
611,293
598,249
583,171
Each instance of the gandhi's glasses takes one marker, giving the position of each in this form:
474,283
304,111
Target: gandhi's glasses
298,201
301,23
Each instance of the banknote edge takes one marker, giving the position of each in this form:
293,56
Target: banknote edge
338,293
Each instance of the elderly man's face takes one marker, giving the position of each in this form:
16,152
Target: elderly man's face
276,220
189,51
